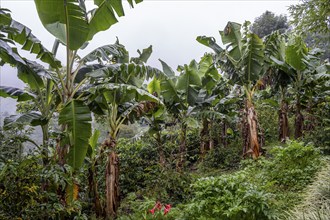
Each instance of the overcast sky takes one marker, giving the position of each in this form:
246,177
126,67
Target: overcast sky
170,26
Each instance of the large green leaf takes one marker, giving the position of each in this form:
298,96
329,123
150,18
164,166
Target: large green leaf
252,59
169,91
167,69
189,77
77,117
231,36
131,73
210,42
24,36
143,56
32,73
31,118
107,53
9,54
68,20
295,52
123,92
65,19
15,93
154,86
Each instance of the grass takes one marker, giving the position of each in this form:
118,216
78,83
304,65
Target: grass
316,203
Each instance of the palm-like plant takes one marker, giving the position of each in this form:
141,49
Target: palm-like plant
243,61
36,77
295,65
117,93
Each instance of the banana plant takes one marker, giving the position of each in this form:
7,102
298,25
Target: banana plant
117,93
297,65
182,94
281,78
74,25
243,61
36,77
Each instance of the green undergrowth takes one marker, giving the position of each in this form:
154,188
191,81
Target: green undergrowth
260,189
315,203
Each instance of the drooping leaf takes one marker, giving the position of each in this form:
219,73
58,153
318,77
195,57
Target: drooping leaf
15,93
31,118
8,55
107,53
231,36
169,92
24,36
210,42
167,69
32,73
77,117
104,16
143,57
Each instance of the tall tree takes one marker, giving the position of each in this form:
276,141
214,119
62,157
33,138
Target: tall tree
311,16
117,92
269,22
243,60
311,19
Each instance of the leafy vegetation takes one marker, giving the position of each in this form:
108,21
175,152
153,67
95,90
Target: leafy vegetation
241,133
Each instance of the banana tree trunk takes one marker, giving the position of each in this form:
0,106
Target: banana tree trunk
299,120
210,136
250,132
224,140
283,122
160,150
204,138
93,189
45,137
183,147
112,180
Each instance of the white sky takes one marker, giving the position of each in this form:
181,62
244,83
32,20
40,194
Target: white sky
171,26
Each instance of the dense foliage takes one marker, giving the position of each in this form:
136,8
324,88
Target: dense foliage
241,133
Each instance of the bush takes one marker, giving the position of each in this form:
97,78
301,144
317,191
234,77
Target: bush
222,158
29,191
229,197
293,167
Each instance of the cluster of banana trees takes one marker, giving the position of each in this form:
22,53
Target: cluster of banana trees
105,82
281,61
108,82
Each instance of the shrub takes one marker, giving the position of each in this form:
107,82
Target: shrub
229,197
29,191
293,166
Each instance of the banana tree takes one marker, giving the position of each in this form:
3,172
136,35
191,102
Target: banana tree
182,94
282,78
117,93
36,77
297,64
73,25
243,61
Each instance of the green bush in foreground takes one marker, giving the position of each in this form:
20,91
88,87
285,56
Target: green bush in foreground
229,197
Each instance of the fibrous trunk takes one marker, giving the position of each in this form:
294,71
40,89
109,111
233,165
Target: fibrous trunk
299,121
283,122
250,132
93,189
183,147
204,138
224,140
112,180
